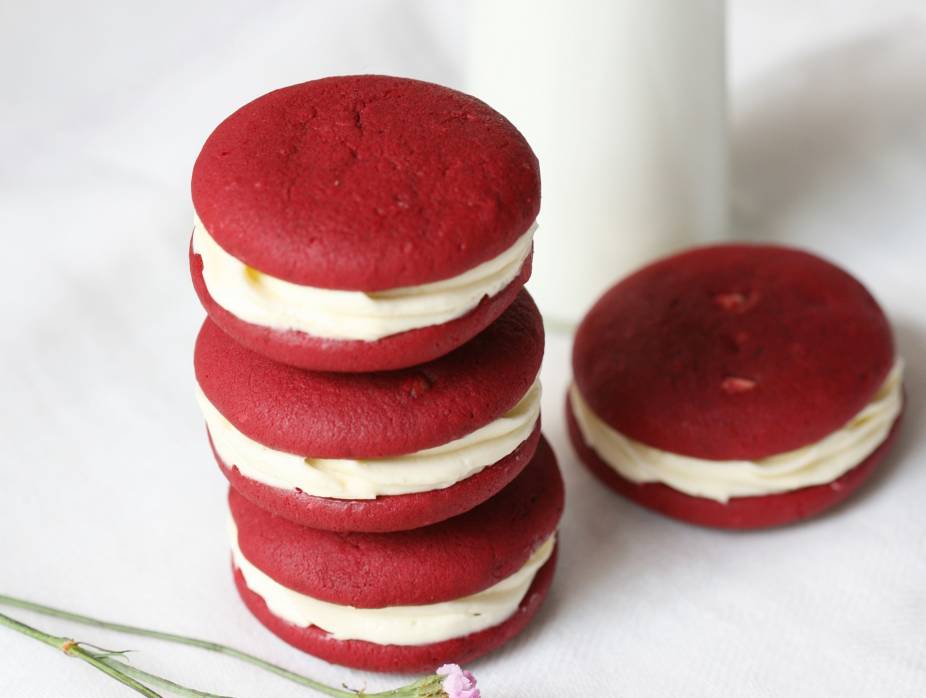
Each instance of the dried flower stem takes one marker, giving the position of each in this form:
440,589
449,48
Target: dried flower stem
178,639
73,649
159,681
429,686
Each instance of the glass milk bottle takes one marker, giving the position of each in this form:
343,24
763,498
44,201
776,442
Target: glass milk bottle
624,102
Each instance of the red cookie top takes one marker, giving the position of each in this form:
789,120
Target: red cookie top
366,182
733,352
353,415
449,560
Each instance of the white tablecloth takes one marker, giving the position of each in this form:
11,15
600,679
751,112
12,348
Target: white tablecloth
110,503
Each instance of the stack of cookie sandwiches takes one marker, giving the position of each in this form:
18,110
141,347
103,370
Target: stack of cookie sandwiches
368,370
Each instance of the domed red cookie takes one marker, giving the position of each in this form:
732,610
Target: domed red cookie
393,352
366,182
402,658
388,513
738,512
449,560
349,415
732,352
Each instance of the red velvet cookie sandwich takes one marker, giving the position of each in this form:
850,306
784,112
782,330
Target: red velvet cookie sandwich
735,386
362,223
380,451
406,601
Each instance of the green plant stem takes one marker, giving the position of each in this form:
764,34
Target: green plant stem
423,687
156,680
72,649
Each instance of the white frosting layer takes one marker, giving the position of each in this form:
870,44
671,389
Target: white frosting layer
396,625
265,300
815,464
431,469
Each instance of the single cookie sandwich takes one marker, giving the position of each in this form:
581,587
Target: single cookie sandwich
362,223
737,386
376,451
404,601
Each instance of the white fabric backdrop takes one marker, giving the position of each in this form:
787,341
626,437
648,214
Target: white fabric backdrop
110,503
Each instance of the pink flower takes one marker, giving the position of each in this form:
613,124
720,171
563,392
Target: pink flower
457,682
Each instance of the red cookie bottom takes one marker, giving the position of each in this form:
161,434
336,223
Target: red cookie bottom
370,656
393,352
385,514
739,512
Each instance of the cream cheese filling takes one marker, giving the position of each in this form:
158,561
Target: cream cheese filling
815,464
261,299
430,469
395,625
